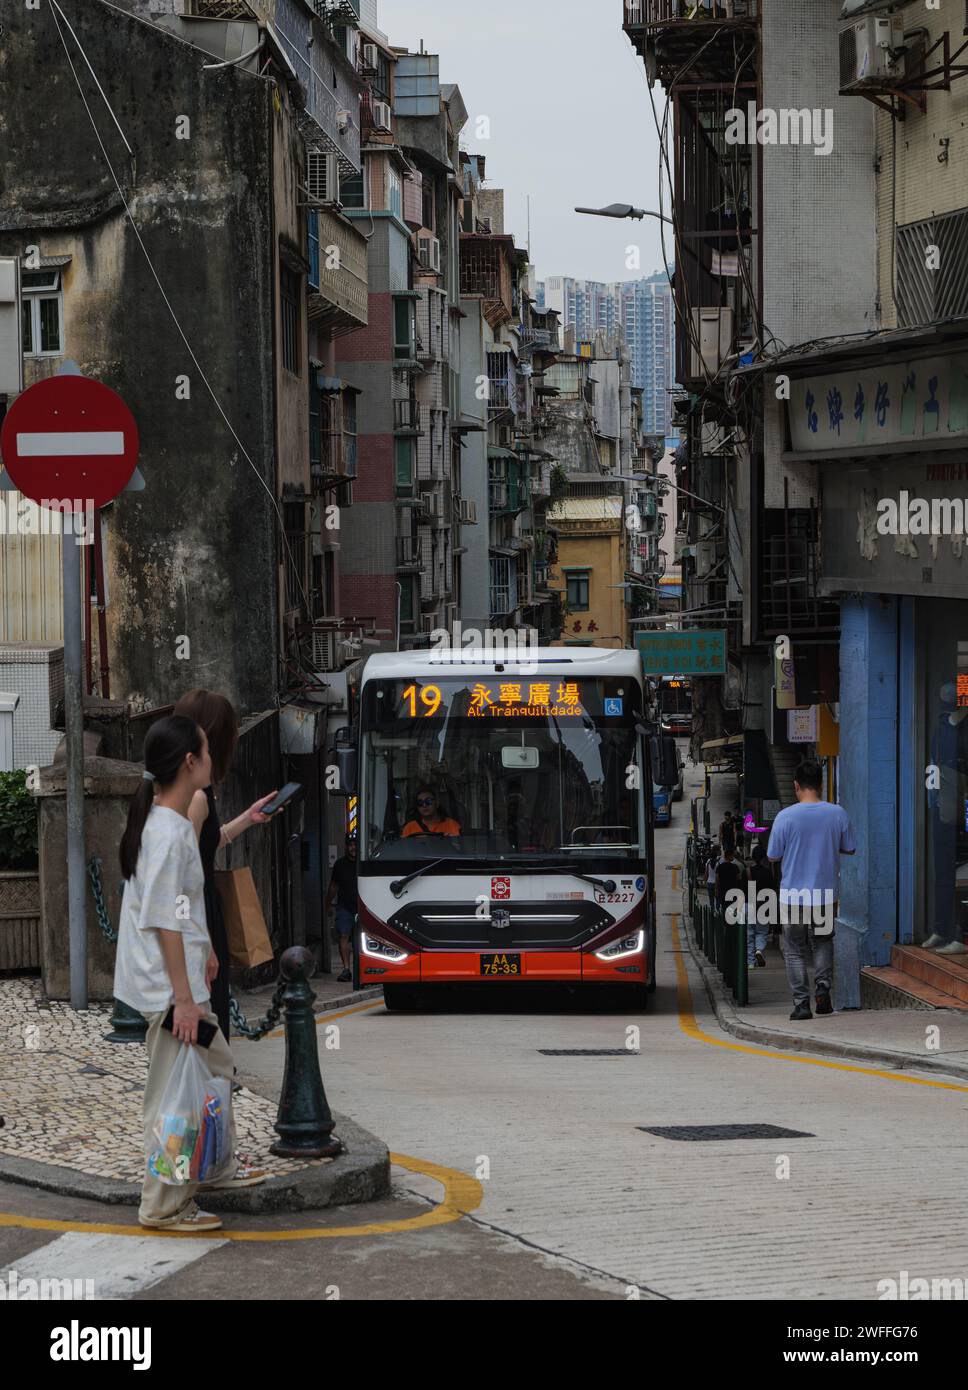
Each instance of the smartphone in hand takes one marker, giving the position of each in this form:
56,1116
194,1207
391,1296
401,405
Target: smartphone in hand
206,1031
289,792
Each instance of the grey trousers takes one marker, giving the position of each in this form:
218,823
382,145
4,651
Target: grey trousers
799,942
163,1202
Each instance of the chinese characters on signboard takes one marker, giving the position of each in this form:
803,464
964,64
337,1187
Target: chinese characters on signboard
682,653
916,402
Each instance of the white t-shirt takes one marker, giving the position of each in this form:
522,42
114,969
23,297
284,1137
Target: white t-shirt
166,893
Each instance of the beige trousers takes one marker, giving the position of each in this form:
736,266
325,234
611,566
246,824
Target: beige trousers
161,1202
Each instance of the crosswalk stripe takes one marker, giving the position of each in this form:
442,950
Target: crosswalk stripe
104,1266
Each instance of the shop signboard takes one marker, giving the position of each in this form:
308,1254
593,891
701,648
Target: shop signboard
918,402
700,653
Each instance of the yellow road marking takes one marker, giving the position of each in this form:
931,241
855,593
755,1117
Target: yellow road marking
329,1017
688,1024
462,1194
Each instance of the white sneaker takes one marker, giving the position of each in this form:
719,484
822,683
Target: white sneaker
933,942
953,948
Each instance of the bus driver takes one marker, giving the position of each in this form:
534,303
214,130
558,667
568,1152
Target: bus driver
429,819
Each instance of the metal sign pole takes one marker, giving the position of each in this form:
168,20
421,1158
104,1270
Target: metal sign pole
74,724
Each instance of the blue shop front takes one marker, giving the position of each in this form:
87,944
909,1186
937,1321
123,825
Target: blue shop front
884,423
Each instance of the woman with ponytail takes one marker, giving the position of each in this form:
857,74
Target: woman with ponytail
165,959
215,715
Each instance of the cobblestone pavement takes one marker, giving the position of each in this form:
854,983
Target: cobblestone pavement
69,1098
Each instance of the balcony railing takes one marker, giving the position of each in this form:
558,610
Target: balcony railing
692,40
500,600
497,496
650,14
790,601
342,296
408,552
406,417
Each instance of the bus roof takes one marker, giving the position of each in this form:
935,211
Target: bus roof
552,661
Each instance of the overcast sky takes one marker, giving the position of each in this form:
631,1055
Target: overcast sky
570,122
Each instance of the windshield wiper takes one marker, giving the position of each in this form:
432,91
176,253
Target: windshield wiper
398,884
606,885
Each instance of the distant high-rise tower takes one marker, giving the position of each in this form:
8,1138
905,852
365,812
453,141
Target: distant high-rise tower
643,311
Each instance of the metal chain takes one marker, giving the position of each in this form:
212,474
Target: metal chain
100,906
265,1025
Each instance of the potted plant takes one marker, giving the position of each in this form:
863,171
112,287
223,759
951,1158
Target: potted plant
19,877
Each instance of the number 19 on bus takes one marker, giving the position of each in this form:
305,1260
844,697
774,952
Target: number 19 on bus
430,698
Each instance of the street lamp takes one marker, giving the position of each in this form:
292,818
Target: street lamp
625,210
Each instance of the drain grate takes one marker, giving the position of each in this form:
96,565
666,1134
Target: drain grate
702,1133
588,1052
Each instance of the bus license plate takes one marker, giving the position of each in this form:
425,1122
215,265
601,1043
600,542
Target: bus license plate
500,963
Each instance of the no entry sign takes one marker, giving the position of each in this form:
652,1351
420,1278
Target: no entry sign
69,443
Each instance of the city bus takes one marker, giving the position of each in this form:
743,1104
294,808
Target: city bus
536,863
675,705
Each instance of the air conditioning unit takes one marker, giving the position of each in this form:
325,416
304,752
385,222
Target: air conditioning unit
467,511
326,652
713,330
382,115
348,649
371,57
344,119
435,505
322,176
871,51
428,251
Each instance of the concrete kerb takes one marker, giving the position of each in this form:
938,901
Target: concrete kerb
734,1022
361,1174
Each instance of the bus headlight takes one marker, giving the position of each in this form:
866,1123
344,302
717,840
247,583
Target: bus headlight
628,946
381,950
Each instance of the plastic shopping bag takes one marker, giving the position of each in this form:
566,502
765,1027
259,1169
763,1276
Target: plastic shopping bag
189,1140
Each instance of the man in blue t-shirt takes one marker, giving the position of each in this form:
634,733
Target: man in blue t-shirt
810,838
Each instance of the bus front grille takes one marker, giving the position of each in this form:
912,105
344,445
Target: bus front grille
554,926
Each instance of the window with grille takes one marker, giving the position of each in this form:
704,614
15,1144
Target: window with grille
403,328
924,295
577,582
289,304
312,222
404,467
43,313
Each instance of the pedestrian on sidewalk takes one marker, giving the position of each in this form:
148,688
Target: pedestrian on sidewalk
711,863
729,876
216,716
809,838
342,894
165,959
762,878
727,834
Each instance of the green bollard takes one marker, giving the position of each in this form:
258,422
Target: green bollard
305,1122
741,990
127,1025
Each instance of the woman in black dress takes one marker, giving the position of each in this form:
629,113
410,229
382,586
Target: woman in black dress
217,717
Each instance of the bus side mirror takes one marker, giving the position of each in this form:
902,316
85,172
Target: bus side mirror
344,752
665,760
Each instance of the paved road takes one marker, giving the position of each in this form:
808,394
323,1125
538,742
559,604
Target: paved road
576,1201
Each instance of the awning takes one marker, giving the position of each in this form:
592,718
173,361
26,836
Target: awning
495,451
718,744
465,424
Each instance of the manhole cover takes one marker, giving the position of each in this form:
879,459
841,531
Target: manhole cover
701,1133
588,1052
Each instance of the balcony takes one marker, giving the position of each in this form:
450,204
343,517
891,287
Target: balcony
339,293
497,495
789,599
706,39
408,553
485,271
406,416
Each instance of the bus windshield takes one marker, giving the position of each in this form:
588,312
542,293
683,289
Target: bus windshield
468,768
675,696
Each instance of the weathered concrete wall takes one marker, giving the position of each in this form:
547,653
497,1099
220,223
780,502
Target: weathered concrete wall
193,555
